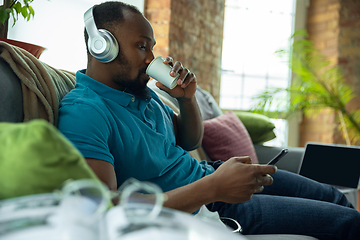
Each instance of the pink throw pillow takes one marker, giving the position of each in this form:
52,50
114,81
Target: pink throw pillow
226,136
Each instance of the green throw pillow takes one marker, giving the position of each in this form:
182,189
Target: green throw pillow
36,158
260,127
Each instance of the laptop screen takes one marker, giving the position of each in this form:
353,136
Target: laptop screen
333,164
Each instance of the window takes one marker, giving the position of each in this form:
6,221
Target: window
253,31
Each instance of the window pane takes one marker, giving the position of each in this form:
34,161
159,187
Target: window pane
253,31
231,90
253,85
279,82
278,68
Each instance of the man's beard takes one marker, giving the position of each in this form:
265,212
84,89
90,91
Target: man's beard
133,86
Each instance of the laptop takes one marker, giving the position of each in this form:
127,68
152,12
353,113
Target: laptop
334,164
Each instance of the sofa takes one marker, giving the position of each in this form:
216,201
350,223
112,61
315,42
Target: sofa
255,129
210,110
12,111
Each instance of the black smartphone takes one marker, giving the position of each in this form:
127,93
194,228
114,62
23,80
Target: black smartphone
278,157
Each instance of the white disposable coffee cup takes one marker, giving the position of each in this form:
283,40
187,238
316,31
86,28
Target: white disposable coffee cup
161,72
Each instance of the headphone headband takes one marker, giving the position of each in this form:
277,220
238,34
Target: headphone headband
90,23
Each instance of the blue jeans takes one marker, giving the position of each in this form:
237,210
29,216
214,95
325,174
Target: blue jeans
295,205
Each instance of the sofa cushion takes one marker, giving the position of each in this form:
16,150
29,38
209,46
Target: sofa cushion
226,136
207,104
260,128
36,158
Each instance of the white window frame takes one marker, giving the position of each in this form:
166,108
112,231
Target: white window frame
299,23
294,122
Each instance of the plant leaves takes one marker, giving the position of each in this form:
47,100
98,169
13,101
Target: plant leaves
17,6
31,10
4,15
24,9
317,84
24,12
14,15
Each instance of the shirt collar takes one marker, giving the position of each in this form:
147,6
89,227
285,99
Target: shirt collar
105,91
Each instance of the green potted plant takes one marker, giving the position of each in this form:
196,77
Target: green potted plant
12,9
316,84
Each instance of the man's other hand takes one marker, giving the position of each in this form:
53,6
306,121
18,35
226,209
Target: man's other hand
236,180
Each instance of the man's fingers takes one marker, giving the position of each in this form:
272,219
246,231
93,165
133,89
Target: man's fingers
266,169
243,159
162,86
176,68
259,189
265,179
183,75
189,78
262,181
169,60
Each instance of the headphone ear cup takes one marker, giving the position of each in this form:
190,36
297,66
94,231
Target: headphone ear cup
103,47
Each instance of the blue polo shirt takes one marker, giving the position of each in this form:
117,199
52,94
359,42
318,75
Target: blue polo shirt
135,135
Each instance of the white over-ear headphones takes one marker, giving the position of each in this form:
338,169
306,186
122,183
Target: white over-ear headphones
102,44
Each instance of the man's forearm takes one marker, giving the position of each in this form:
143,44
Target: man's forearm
189,124
191,197
245,180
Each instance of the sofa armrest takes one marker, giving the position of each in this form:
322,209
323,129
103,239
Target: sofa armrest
11,98
290,162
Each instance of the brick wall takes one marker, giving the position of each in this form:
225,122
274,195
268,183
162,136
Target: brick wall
334,27
158,12
349,45
190,31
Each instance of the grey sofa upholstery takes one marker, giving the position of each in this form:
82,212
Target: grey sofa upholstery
11,98
290,162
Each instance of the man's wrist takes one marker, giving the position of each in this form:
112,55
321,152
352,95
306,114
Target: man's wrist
209,191
185,100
